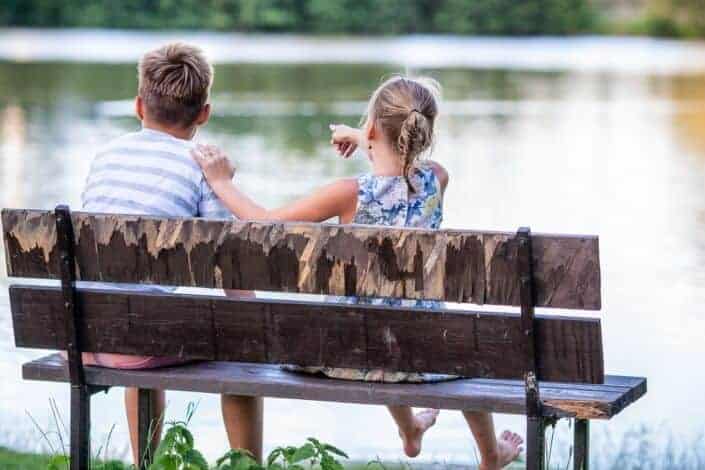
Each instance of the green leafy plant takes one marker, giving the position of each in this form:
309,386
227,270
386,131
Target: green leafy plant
237,460
311,454
58,462
176,450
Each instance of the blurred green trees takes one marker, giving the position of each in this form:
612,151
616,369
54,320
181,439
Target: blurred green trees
665,18
513,17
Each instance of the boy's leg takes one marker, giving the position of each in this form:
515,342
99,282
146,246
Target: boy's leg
131,406
495,453
243,422
412,426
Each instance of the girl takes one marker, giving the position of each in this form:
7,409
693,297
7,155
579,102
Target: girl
401,190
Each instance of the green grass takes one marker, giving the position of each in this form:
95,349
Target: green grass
11,460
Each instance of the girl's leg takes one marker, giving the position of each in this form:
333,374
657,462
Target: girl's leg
412,426
495,453
243,422
158,401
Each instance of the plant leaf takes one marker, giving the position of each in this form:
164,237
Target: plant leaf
58,462
274,455
166,462
316,443
288,453
304,452
335,450
194,460
233,456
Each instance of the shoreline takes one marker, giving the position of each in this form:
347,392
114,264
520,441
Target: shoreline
590,53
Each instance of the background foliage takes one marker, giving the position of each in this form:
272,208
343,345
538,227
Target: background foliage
315,16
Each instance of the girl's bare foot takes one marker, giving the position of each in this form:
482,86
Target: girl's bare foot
508,450
423,420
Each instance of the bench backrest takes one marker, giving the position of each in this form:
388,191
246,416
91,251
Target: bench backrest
447,265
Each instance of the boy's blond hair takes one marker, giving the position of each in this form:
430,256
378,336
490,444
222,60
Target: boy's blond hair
174,83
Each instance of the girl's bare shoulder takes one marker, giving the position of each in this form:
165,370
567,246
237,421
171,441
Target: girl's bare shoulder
440,172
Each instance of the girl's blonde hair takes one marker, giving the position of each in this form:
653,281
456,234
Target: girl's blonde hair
405,110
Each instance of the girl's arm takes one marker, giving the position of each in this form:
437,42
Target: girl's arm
336,199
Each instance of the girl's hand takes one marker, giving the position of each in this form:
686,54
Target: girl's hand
214,162
345,139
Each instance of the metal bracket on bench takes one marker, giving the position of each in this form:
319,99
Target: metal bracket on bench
67,265
93,389
528,300
80,391
534,409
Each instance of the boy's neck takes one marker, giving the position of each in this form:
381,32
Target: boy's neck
174,131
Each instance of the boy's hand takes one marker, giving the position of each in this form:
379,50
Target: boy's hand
215,164
345,139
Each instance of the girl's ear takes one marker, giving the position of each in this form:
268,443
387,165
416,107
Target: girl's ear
371,130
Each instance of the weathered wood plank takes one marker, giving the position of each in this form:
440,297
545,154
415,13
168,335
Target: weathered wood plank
585,401
310,333
461,266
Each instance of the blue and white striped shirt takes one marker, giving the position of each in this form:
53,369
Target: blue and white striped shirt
150,173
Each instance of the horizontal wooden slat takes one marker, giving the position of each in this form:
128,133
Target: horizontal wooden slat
584,401
310,333
459,266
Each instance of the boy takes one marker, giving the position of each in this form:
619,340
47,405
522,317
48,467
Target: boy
151,172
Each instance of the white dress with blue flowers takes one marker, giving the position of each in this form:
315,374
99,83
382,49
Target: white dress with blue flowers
388,201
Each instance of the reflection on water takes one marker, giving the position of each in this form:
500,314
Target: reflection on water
620,155
14,136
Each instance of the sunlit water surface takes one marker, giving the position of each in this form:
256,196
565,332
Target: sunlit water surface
601,146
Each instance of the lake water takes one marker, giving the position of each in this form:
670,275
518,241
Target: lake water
588,135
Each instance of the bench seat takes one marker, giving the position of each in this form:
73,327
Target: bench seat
584,401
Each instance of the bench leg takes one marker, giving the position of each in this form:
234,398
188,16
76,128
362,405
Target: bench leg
535,443
581,445
80,427
146,423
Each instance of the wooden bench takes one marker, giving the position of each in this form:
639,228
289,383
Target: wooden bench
543,366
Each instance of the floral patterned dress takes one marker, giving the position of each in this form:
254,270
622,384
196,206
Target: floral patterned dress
388,201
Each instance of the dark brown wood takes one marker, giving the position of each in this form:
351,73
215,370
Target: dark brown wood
477,344
581,445
463,266
586,401
72,316
146,426
80,426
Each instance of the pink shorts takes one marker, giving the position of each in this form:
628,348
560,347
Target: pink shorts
122,361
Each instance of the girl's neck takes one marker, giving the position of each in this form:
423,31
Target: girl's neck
386,163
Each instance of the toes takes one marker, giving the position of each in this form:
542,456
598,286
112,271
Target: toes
429,414
427,418
505,435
